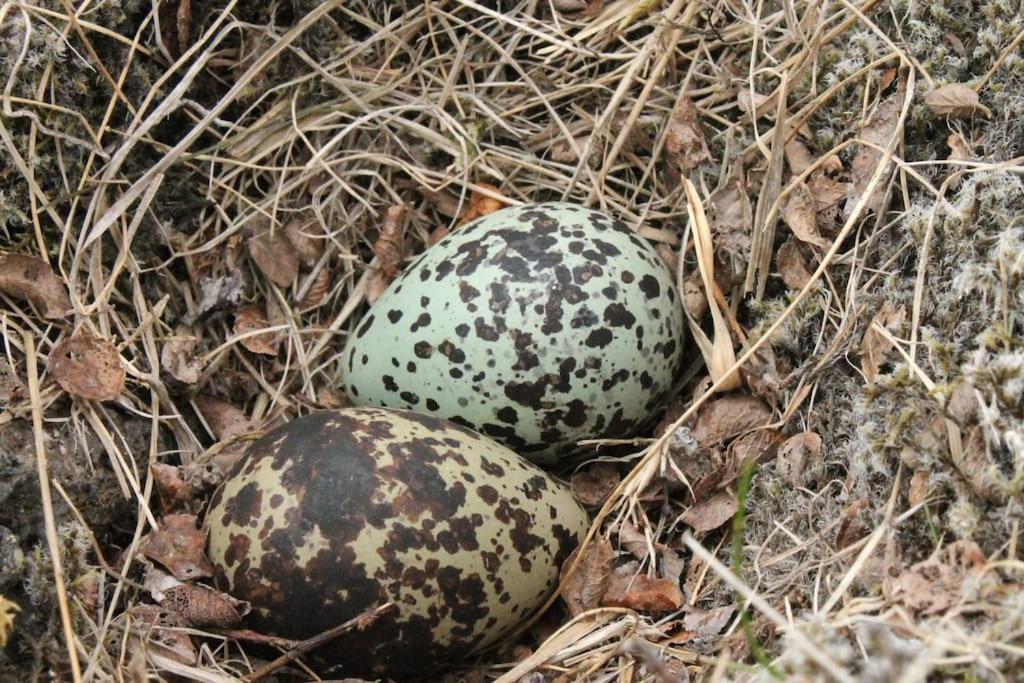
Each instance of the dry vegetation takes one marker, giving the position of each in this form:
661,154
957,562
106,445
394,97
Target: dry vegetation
197,200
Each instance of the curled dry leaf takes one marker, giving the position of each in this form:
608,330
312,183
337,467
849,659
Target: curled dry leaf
799,451
633,540
874,347
196,604
711,513
958,149
481,204
275,256
583,590
694,300
249,319
754,104
163,631
852,528
731,216
800,212
940,582
955,100
708,622
304,237
672,565
758,446
376,284
627,588
88,367
388,247
684,137
798,156
225,420
593,485
792,266
730,416
977,468
318,290
179,546
920,485
877,129
175,492
178,357
33,280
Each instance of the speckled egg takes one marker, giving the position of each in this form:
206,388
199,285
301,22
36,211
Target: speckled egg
537,325
340,511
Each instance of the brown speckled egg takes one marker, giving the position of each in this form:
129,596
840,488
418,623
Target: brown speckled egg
341,511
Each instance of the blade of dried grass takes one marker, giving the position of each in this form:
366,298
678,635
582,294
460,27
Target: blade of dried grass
47,503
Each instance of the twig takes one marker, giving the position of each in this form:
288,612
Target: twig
360,622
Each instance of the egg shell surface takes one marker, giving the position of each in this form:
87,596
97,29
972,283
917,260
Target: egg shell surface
341,511
537,325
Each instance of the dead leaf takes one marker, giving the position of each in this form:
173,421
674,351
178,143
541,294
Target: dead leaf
731,216
627,588
593,485
226,421
437,234
730,416
563,152
174,491
694,300
754,104
87,367
938,583
249,319
962,403
193,602
796,454
684,137
163,631
852,528
388,247
955,100
275,256
33,280
875,348
307,238
708,622
977,467
958,149
878,129
179,546
583,590
481,204
887,78
826,190
711,513
798,156
920,484
932,441
217,293
791,265
184,21
632,540
178,357
376,284
317,292
12,389
672,565
800,212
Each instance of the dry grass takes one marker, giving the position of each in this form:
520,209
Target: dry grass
144,177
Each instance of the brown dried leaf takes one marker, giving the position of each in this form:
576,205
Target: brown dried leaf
635,591
796,454
306,237
875,348
791,265
593,485
225,420
800,211
632,540
877,129
275,256
437,234
708,622
920,484
730,416
250,318
388,247
563,152
178,357
33,280
684,138
179,546
962,404
958,149
852,528
955,100
317,292
826,190
88,367
175,492
584,589
731,216
202,606
936,584
711,513
376,285
798,156
672,565
977,468
163,631
754,104
694,300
